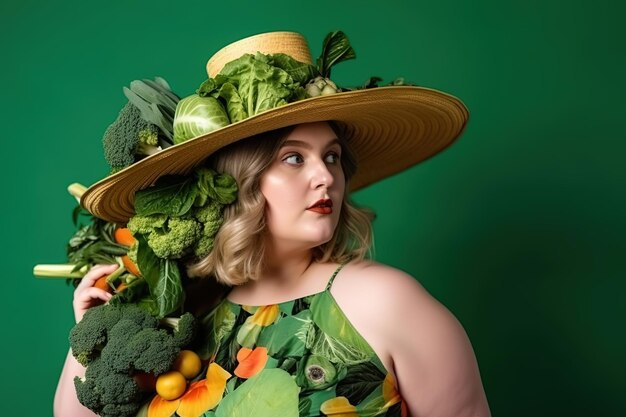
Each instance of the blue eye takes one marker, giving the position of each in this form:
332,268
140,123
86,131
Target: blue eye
332,158
294,159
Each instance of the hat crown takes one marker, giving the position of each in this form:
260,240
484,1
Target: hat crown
290,43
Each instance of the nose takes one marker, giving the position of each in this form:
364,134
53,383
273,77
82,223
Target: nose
321,177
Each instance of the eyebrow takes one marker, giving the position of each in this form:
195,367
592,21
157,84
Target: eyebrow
306,145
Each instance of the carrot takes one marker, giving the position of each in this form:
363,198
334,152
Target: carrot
103,284
130,266
123,236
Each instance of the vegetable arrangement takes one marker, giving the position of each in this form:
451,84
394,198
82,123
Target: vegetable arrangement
252,84
97,242
176,220
143,126
122,345
135,344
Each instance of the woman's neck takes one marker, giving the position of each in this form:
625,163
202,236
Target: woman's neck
285,269
281,278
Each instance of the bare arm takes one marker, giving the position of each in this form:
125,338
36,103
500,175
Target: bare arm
436,368
417,338
66,403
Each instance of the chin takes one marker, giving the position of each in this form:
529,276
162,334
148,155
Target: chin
312,240
322,234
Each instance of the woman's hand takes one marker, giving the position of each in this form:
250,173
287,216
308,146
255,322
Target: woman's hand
86,295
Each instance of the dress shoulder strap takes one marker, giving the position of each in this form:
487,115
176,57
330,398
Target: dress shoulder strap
332,278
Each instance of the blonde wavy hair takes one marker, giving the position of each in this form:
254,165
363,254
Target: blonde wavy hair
239,249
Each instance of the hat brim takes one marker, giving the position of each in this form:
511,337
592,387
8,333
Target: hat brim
389,129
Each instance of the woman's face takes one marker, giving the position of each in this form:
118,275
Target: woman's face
304,188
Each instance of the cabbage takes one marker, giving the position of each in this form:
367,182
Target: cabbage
196,116
245,87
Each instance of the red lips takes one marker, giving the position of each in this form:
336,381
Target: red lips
322,206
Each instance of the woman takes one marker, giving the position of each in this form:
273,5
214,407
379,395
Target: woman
293,239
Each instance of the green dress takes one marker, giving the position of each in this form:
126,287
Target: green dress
296,358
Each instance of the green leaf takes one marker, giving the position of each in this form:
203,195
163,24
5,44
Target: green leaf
299,71
220,188
172,195
207,88
261,86
360,380
168,293
134,292
162,277
153,93
340,336
150,112
214,326
288,336
336,48
234,103
304,406
147,262
373,404
248,333
270,393
337,350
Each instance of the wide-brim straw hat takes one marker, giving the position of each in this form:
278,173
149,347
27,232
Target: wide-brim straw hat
389,129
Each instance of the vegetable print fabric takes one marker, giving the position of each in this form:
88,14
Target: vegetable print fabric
297,358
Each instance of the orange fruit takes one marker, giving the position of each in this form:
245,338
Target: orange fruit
171,385
188,363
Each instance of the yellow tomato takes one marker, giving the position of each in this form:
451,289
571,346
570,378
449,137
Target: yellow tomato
171,385
188,363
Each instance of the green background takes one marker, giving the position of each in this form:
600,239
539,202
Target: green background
518,228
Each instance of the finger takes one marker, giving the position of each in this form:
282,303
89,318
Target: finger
86,297
91,297
94,274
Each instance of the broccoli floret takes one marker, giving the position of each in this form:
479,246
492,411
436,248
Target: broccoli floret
115,354
184,328
102,386
174,240
154,351
87,393
132,251
210,214
146,224
89,336
115,410
135,343
147,349
211,218
168,237
129,138
204,246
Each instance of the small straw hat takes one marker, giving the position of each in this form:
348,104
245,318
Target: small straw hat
389,129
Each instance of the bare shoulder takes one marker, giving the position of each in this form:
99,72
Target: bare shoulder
381,298
385,286
430,352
